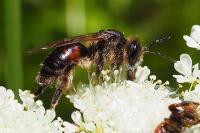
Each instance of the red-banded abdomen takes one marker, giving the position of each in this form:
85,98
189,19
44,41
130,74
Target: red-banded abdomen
62,57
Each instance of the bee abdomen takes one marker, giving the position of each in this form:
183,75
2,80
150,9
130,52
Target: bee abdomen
60,59
51,68
53,64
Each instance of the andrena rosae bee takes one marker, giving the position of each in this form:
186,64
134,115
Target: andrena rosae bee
105,46
183,115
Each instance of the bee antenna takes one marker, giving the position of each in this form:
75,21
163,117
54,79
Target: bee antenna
158,41
161,55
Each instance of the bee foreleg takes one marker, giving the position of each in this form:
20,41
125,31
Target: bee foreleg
99,63
99,59
118,53
131,73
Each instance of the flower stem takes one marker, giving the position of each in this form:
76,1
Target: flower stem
13,43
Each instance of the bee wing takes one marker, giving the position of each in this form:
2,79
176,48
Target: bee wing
92,37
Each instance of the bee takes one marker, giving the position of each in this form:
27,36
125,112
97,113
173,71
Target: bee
183,115
104,46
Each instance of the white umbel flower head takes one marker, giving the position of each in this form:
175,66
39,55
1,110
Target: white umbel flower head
28,117
193,40
189,73
122,107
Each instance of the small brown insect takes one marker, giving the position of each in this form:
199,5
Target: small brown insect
183,115
105,46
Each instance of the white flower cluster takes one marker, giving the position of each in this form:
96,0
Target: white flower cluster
189,73
122,107
28,117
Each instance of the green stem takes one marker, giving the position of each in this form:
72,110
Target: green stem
192,86
76,17
13,43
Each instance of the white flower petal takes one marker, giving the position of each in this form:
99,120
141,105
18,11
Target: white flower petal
90,127
50,115
70,128
184,66
76,117
193,95
191,42
11,94
196,66
142,74
195,33
26,97
197,88
180,78
2,89
196,71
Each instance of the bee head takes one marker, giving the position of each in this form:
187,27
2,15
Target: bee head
134,51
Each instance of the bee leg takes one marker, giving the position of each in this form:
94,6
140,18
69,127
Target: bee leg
58,93
131,73
64,84
118,58
96,53
118,52
99,63
56,97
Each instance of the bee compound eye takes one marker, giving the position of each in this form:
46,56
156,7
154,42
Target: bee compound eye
133,52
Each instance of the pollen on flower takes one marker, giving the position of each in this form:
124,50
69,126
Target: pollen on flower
166,83
159,81
152,77
180,86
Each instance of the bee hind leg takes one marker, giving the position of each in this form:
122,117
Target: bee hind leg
64,85
58,93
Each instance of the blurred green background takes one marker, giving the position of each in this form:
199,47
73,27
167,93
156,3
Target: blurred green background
26,24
